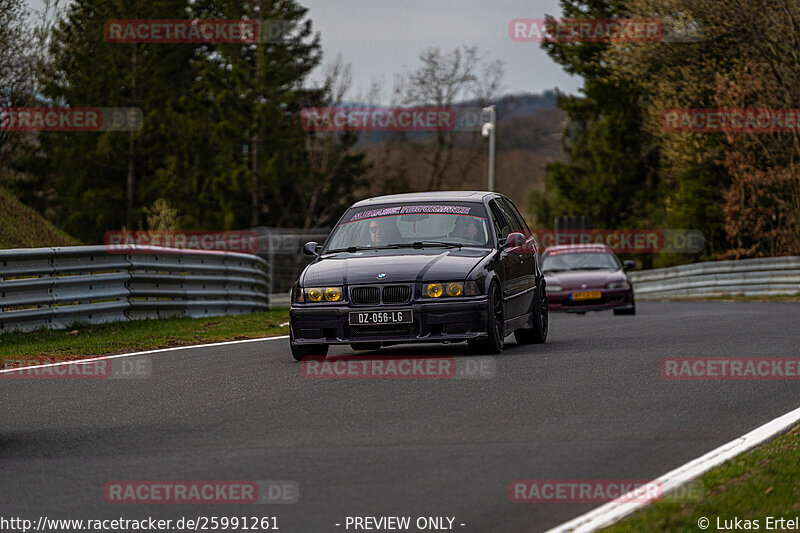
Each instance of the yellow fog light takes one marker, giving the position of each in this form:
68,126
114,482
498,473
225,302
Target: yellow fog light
454,289
434,290
333,294
315,295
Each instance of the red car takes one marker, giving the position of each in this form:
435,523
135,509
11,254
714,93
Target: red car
587,277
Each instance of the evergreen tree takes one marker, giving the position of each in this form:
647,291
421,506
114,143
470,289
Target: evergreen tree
610,173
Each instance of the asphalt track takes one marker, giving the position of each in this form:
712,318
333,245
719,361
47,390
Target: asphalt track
589,404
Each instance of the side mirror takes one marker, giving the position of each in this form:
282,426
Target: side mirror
628,265
515,240
311,248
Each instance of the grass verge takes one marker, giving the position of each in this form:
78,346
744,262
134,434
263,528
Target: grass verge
88,340
22,227
763,482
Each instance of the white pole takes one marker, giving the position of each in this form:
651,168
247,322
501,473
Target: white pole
489,130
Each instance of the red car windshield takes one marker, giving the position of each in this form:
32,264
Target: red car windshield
579,261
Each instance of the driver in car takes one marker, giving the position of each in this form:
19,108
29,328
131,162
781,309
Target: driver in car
466,228
383,231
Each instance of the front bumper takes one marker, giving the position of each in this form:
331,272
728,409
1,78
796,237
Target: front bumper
611,299
438,321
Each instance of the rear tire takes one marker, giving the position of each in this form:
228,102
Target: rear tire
495,326
540,318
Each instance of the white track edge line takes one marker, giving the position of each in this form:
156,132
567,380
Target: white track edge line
614,511
133,354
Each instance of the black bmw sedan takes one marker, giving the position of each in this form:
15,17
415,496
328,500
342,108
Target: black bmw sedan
422,267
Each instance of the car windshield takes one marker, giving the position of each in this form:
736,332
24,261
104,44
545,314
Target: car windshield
557,262
441,225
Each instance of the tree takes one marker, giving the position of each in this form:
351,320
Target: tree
743,186
440,81
221,139
337,168
258,92
610,174
21,57
104,179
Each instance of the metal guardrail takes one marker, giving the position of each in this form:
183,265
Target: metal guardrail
56,287
282,248
745,277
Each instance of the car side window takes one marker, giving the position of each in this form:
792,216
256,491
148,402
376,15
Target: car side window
500,224
520,219
511,219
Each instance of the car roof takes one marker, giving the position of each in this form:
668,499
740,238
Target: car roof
578,247
441,196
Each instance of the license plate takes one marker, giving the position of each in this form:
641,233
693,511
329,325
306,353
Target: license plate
587,295
396,316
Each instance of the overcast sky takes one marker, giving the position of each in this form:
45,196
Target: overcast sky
381,37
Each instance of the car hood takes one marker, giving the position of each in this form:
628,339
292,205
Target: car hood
434,264
576,279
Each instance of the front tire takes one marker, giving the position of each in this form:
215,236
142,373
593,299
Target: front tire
625,312
308,350
538,333
629,311
495,326
370,346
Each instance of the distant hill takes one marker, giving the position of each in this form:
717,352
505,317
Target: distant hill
22,227
529,130
538,130
525,121
513,105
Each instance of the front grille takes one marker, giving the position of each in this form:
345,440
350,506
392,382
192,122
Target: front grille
364,295
380,330
396,294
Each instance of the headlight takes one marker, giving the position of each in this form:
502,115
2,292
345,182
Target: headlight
434,290
455,289
553,288
333,294
319,294
450,289
623,284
